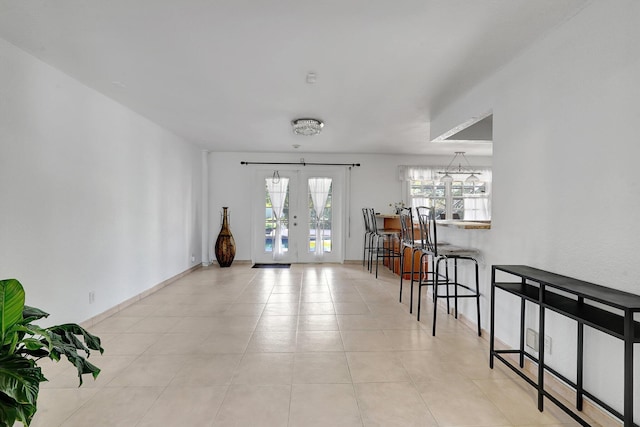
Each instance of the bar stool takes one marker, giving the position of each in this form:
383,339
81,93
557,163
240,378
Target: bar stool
407,242
387,238
427,247
428,250
444,253
368,237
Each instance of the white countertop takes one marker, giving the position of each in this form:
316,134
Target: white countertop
466,225
455,223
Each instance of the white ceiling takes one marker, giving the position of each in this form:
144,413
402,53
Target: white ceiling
230,75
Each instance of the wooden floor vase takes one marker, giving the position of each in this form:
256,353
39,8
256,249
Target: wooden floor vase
225,244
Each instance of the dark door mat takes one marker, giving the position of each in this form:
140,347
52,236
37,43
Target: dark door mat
271,265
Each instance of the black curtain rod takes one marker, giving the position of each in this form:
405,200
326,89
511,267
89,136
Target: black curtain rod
300,163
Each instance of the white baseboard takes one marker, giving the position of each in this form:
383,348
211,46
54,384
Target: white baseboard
562,391
92,321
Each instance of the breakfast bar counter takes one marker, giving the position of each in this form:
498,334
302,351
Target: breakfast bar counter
466,225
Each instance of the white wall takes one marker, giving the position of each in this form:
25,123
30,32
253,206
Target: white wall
566,194
93,196
374,184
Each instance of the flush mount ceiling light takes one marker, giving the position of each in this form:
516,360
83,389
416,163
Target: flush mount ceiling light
460,170
307,126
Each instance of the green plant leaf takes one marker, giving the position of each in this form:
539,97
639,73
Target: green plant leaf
35,354
12,411
92,341
33,344
64,340
11,305
8,411
27,336
31,313
20,378
43,334
23,343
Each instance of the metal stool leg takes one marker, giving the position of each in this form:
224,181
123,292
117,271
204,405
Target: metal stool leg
478,298
420,285
446,274
436,283
378,254
455,286
364,249
402,250
413,256
403,261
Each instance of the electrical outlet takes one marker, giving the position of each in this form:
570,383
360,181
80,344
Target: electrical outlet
193,258
531,339
547,344
92,297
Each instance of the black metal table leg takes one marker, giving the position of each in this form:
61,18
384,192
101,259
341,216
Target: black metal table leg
541,350
522,330
580,362
628,368
492,316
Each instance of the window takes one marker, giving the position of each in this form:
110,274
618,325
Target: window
456,200
428,193
320,191
276,206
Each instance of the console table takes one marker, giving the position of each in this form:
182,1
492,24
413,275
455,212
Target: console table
541,288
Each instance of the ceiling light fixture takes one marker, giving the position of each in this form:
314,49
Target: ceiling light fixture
311,78
307,126
461,170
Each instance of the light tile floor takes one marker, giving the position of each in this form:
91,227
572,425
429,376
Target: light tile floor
314,345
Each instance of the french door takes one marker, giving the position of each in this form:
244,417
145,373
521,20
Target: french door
298,216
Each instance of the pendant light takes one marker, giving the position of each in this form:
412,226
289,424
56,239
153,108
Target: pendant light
460,170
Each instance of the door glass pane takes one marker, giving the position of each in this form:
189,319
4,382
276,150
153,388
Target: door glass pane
281,200
320,214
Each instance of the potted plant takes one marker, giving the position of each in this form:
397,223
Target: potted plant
23,344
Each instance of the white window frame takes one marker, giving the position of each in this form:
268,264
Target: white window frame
411,174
